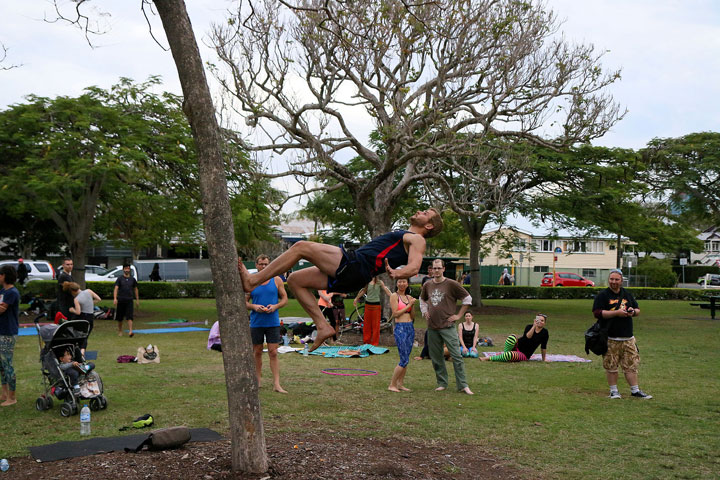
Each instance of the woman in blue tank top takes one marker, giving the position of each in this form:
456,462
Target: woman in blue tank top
263,302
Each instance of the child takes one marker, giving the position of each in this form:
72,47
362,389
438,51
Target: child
72,369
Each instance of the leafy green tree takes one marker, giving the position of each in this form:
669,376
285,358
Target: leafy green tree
253,215
603,191
335,206
157,200
659,272
686,171
60,155
484,187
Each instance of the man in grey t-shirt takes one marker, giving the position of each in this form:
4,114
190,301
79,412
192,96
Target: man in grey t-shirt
438,302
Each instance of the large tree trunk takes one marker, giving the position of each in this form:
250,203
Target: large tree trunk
474,228
246,428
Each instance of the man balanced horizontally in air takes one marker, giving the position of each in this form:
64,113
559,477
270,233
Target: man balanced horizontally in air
400,253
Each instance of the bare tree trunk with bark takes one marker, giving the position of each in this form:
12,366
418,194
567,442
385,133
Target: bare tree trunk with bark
246,428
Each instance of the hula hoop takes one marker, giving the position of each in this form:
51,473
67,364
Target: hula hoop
335,371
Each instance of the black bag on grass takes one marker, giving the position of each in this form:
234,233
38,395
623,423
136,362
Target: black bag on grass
164,439
596,339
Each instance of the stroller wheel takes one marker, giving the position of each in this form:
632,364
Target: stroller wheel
40,404
66,409
95,404
48,403
103,402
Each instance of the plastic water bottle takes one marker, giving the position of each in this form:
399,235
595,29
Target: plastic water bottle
85,420
4,465
305,350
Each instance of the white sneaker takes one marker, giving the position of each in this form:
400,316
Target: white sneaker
615,395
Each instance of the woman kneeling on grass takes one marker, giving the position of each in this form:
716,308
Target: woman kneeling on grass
402,304
521,349
468,333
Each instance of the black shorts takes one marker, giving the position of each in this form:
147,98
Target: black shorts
260,335
352,274
124,310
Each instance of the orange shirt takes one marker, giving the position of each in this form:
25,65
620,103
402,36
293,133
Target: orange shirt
321,301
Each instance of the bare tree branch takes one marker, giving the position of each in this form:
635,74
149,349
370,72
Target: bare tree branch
433,79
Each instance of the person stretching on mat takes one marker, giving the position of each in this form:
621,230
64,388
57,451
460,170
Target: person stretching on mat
401,305
521,349
337,270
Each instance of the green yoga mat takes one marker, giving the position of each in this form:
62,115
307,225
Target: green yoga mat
169,320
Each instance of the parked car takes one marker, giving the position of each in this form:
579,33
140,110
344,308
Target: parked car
714,279
110,276
566,279
37,269
95,270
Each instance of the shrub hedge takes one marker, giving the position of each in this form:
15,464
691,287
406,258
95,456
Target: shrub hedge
692,272
47,289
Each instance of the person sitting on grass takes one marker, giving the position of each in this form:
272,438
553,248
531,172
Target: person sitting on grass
468,332
521,349
337,270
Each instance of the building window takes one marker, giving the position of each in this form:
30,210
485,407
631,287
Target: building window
589,273
519,245
541,268
544,245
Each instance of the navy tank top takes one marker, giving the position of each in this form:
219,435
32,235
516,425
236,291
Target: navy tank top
388,246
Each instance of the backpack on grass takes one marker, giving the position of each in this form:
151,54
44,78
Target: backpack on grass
164,439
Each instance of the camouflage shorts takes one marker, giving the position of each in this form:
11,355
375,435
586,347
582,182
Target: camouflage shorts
621,353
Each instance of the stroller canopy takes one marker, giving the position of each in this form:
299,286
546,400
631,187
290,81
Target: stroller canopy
72,330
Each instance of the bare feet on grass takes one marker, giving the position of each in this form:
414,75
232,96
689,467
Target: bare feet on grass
279,389
440,389
404,389
322,335
467,391
393,388
484,359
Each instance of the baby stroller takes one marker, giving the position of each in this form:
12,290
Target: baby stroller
56,340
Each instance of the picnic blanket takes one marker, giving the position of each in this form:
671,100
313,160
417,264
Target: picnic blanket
551,357
345,351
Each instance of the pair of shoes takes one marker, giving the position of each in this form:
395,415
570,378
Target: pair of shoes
641,394
615,395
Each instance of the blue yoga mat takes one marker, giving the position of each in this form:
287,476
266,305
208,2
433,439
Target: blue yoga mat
171,330
27,331
334,352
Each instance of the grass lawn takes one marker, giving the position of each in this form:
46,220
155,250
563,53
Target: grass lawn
554,417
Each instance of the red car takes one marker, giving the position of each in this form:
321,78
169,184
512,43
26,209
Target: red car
565,279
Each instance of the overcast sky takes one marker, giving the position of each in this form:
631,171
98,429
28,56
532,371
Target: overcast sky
668,51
